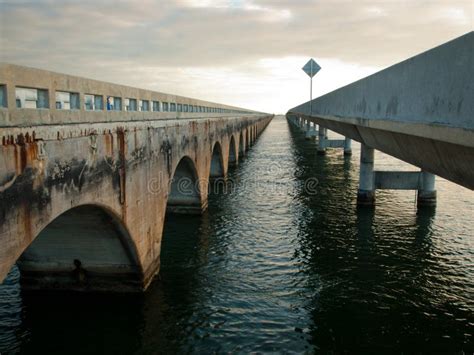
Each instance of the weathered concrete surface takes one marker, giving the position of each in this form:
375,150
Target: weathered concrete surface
420,110
97,192
126,171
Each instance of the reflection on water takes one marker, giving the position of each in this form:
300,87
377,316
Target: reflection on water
277,266
10,311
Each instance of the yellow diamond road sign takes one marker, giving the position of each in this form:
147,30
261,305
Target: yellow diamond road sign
311,68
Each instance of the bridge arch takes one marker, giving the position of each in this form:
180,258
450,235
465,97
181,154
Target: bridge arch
232,151
86,248
184,191
217,162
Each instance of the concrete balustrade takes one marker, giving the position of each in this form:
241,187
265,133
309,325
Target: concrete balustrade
112,99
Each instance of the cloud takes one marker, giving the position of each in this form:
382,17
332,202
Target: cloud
197,48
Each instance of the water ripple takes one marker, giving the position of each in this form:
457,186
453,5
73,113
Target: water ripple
273,267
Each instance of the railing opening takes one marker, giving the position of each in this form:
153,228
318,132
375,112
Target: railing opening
31,98
76,99
130,104
3,96
93,102
67,100
144,105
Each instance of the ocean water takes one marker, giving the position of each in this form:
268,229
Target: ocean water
284,262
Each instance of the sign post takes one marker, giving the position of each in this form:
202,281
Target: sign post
311,68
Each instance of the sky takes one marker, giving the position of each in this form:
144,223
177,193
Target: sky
246,53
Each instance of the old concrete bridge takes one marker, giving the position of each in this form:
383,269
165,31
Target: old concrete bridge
420,111
88,170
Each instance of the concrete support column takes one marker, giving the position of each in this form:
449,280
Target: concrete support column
366,192
427,192
348,146
322,141
311,132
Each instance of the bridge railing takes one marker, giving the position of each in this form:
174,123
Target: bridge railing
30,96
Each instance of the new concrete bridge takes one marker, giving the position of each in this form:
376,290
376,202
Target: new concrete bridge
420,111
88,170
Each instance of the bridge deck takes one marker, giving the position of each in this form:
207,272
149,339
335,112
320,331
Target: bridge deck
420,110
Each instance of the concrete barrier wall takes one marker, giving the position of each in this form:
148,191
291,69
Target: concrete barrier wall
435,87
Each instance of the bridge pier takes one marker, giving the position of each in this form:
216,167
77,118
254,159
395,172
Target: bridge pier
427,192
366,192
347,146
321,134
321,141
324,143
302,123
371,180
311,132
295,120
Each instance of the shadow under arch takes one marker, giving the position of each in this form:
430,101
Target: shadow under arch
232,151
86,248
184,193
247,139
217,162
241,146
